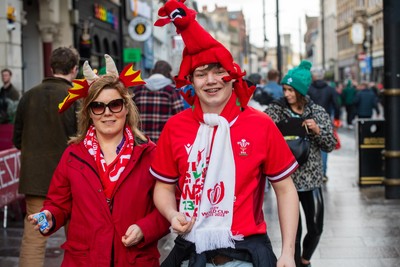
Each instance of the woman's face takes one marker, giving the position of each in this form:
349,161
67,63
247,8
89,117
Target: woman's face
290,94
108,113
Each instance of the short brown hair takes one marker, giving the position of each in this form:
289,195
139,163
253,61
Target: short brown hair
273,74
162,67
63,60
6,70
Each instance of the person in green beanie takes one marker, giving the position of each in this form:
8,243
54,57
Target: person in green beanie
308,178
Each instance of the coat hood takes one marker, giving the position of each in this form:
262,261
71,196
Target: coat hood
157,81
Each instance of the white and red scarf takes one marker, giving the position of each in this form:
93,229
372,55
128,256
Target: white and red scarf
209,189
109,173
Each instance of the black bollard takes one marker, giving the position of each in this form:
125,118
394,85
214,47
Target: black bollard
391,26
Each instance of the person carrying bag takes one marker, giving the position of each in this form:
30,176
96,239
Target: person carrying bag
296,135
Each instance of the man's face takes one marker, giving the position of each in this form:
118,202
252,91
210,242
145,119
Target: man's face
212,91
5,77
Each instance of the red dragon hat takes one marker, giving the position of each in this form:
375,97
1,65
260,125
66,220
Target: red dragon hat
200,49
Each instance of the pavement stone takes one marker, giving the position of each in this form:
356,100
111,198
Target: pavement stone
361,227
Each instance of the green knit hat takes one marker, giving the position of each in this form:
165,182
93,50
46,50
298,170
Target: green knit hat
299,78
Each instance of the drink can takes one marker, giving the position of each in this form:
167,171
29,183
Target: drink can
42,221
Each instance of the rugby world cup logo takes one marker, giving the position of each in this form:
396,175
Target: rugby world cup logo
216,194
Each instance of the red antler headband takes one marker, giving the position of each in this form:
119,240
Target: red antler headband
129,77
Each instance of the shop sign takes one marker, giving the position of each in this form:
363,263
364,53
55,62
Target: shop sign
132,55
9,175
139,29
138,8
105,15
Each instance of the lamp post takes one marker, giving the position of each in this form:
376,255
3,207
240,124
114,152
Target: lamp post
265,33
278,44
369,40
357,38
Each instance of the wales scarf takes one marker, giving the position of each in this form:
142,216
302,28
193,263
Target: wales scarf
209,189
109,173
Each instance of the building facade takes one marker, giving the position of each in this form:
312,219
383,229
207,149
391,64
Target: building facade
360,39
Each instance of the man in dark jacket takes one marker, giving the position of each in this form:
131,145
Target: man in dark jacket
42,134
365,101
324,95
9,96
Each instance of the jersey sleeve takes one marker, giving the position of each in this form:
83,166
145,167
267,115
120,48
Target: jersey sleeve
164,168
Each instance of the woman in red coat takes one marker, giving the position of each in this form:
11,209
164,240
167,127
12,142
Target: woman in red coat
103,186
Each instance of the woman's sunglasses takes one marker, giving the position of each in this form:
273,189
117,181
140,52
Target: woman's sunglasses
115,106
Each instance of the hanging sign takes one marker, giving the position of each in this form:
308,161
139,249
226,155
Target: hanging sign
139,29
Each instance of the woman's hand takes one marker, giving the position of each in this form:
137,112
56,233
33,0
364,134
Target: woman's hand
33,219
312,126
180,225
132,236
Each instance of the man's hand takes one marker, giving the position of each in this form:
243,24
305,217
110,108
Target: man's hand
180,225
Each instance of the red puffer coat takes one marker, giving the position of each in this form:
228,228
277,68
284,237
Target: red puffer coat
94,231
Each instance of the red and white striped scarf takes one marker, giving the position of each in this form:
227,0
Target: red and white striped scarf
109,174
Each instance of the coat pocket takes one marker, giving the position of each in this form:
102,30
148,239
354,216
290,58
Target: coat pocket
76,253
143,260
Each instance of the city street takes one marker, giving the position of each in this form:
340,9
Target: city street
362,228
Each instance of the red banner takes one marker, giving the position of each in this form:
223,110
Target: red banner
9,175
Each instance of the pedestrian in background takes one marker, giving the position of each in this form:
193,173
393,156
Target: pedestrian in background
272,87
326,96
308,177
9,96
41,134
348,94
260,97
157,100
102,183
217,157
365,101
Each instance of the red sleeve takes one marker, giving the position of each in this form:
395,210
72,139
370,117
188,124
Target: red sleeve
164,167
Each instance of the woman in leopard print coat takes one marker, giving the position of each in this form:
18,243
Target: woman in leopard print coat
308,177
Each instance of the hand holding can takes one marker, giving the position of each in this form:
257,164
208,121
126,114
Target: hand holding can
41,221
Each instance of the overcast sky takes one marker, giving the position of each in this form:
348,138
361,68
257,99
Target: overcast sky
291,17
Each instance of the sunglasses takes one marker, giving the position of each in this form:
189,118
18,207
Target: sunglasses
115,106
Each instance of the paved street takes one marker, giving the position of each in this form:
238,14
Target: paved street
362,228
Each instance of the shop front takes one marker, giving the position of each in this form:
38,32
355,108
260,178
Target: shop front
99,32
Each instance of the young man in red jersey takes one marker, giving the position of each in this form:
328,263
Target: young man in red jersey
216,158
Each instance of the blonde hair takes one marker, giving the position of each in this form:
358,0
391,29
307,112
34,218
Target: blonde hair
106,82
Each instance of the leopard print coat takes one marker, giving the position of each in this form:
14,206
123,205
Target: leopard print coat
308,176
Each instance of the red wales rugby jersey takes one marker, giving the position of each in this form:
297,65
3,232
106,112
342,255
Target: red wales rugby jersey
259,152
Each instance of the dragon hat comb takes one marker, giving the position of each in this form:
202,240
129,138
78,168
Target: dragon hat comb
200,49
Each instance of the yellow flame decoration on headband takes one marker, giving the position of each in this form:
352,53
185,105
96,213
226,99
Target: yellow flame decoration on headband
129,77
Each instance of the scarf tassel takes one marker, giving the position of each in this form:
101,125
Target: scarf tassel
211,239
